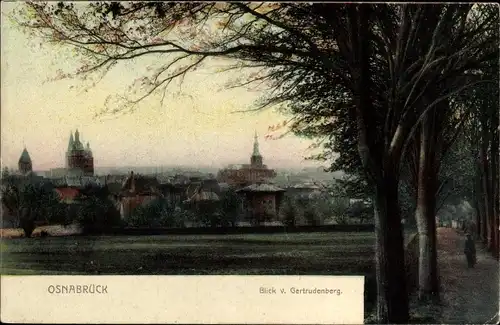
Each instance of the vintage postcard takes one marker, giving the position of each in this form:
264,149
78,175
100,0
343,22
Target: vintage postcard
249,163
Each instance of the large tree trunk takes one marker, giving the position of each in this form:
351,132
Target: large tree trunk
485,165
478,182
382,165
479,213
27,222
477,233
17,217
493,244
392,295
475,205
428,280
392,302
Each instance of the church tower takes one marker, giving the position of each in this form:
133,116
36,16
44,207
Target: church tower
79,159
256,159
24,163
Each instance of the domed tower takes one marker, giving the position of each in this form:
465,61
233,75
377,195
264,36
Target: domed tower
256,159
24,164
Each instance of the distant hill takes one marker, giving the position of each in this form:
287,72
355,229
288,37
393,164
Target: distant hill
154,170
284,175
302,175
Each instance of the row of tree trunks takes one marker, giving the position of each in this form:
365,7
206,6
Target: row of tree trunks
486,188
496,196
488,198
482,203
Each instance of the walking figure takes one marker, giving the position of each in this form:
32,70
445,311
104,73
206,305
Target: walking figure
470,250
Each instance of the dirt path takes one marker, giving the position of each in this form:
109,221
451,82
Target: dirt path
470,296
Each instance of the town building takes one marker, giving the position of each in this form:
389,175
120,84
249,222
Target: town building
186,192
57,172
174,194
262,202
68,195
199,190
304,190
137,190
247,174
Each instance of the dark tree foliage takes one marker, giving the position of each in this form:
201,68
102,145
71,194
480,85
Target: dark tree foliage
98,214
289,212
231,207
32,205
156,214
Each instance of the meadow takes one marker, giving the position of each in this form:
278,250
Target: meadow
329,253
252,254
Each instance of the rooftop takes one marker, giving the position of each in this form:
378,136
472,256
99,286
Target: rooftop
25,157
261,188
68,193
139,183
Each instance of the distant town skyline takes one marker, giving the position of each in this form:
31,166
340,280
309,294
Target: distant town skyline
196,126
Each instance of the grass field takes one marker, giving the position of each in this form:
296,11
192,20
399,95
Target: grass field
311,253
249,254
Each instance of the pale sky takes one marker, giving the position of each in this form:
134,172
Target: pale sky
195,128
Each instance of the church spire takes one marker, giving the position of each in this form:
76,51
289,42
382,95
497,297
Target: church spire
71,141
256,159
256,151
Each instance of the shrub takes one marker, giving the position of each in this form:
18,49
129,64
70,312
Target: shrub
98,215
157,213
289,212
312,214
230,207
208,213
360,210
